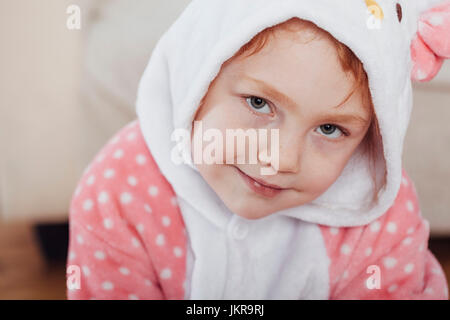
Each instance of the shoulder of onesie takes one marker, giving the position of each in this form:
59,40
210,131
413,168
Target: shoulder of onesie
350,247
123,191
399,220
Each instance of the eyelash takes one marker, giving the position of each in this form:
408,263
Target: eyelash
270,104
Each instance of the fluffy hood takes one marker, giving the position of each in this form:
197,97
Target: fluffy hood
384,34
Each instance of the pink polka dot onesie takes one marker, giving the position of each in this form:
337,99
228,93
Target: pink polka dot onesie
143,226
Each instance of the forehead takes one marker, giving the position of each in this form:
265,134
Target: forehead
310,74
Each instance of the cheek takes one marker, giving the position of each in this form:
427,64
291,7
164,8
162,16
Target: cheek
224,116
228,114
323,170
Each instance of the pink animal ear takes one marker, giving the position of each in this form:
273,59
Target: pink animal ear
431,43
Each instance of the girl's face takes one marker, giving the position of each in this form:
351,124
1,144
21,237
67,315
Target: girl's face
294,87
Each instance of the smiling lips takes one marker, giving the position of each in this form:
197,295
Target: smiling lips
260,187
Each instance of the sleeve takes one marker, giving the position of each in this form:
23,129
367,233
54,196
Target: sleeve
105,271
127,238
109,254
390,257
106,265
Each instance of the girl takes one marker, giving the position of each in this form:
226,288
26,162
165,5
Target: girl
338,219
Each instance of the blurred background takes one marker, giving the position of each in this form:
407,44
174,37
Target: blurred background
65,91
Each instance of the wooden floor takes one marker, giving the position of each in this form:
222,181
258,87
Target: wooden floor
25,275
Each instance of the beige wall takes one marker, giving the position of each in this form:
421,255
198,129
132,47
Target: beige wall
39,63
427,149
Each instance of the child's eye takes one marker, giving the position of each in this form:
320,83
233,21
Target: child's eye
259,104
331,131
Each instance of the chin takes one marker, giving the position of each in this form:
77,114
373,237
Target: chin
248,210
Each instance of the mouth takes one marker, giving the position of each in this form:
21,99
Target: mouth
259,186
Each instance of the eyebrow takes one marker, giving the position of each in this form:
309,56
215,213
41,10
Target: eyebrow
272,92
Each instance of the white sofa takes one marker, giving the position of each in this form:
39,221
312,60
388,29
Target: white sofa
66,92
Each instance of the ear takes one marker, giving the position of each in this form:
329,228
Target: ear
431,44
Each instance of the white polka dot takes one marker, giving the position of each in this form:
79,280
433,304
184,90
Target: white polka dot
429,290
421,247
109,173
345,275
107,285
436,271
100,158
345,249
410,230
166,273
72,255
389,262
108,223
392,288
426,223
391,227
114,140
178,252
436,19
126,198
140,228
90,181
160,239
86,271
153,191
80,239
174,201
100,255
405,181
147,282
88,204
420,75
135,242
131,136
166,221
408,268
375,226
89,227
368,251
141,159
133,297
147,208
124,271
132,181
410,206
103,197
118,154
334,231
407,241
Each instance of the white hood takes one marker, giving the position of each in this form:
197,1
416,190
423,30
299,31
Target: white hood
190,54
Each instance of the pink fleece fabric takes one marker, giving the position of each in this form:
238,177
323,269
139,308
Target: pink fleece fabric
128,237
431,43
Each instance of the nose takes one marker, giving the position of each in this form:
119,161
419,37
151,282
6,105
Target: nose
289,152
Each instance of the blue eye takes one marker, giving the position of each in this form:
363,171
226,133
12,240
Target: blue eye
259,104
329,130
